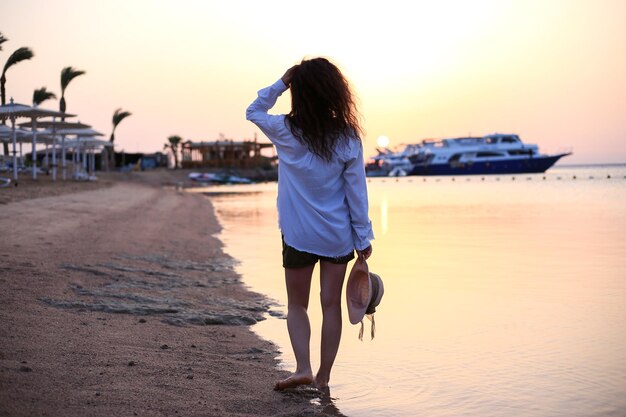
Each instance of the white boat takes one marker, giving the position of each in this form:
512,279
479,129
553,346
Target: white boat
392,164
491,154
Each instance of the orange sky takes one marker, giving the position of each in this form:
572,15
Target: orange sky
552,71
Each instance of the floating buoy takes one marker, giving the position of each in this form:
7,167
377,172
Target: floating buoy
482,179
608,176
544,177
558,178
513,178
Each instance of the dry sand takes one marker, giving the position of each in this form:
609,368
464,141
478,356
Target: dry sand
117,300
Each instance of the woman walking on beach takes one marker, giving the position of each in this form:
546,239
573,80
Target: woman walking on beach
322,200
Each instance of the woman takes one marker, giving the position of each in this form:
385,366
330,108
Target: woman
322,200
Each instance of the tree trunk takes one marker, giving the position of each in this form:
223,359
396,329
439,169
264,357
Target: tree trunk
3,92
3,80
104,160
62,107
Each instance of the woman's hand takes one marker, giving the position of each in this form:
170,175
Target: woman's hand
288,76
365,253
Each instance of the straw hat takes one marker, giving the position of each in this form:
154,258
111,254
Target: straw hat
363,294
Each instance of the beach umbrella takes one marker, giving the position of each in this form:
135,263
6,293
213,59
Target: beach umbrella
13,111
6,133
88,146
54,127
81,132
57,125
21,136
85,143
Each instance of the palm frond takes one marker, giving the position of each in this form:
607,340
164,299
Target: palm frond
67,75
119,115
174,140
2,40
20,54
41,95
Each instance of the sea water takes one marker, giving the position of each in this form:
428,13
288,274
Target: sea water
504,295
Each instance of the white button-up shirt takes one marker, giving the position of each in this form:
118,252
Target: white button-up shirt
322,206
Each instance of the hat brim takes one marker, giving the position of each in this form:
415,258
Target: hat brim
358,291
378,289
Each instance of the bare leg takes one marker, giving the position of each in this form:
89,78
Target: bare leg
331,283
298,288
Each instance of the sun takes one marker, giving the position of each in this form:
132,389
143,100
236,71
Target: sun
382,141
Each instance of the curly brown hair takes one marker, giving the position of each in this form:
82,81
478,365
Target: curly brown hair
323,109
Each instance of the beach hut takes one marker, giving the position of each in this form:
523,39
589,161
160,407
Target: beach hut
223,154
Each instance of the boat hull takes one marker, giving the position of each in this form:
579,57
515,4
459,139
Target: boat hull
511,166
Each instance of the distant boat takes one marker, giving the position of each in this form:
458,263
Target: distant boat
392,164
208,177
492,154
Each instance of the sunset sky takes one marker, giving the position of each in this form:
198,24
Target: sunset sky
552,71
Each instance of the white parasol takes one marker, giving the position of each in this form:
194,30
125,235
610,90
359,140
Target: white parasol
85,144
57,127
13,111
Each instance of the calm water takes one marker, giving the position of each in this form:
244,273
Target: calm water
503,297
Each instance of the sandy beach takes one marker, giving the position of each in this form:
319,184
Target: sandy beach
118,300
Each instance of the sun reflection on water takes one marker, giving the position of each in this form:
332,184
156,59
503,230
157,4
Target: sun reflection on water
501,297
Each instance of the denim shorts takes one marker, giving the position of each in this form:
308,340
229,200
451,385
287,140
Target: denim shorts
293,258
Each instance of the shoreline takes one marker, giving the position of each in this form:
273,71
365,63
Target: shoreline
118,299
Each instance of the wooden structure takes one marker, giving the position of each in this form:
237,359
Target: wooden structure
223,154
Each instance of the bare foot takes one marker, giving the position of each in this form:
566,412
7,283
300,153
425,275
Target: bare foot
321,383
294,381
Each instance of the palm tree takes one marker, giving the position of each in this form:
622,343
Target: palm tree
173,144
20,54
41,95
67,75
118,116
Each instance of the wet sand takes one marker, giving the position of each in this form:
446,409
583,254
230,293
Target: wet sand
118,300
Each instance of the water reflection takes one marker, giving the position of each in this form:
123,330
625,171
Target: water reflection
502,297
326,403
384,215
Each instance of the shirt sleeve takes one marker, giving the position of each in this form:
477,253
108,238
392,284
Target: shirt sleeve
356,194
269,124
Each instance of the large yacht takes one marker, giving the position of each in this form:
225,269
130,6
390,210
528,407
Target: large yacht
492,154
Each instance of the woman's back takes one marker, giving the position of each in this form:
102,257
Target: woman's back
317,211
